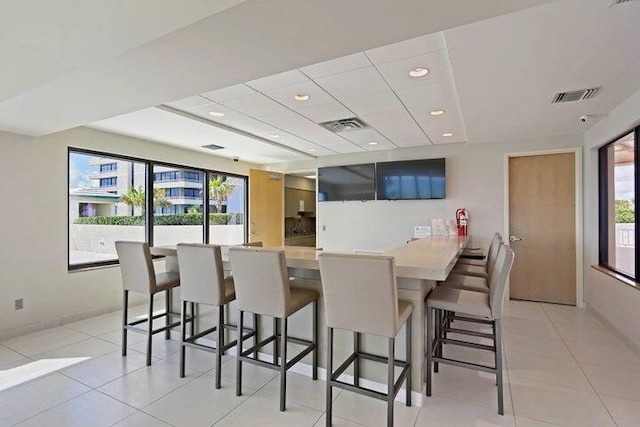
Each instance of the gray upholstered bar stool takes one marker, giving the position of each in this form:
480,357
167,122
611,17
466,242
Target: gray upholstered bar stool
263,287
473,282
138,275
360,294
202,281
483,271
477,256
481,307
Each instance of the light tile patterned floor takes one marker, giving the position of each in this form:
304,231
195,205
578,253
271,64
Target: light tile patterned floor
562,368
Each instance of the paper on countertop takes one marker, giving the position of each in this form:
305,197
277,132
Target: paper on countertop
420,231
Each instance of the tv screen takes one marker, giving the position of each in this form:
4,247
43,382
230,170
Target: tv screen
351,182
412,179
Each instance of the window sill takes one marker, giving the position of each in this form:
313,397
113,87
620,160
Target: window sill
618,277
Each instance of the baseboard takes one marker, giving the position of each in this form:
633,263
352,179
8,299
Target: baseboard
306,370
632,345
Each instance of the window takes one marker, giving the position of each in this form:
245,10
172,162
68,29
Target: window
104,210
618,177
108,182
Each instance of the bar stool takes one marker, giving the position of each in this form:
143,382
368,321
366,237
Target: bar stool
476,256
138,275
202,281
360,295
263,288
480,270
485,308
472,282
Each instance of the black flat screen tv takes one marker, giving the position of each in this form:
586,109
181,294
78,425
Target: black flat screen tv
411,179
351,182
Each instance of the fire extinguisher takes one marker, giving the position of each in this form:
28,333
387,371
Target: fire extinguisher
461,218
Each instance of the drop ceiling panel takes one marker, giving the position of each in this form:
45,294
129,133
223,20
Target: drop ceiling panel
337,66
408,48
231,92
354,84
373,104
398,126
277,81
285,95
363,137
254,105
286,119
430,95
397,73
189,103
325,112
436,126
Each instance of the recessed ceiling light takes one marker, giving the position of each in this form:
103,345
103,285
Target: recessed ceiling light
447,134
216,113
436,112
419,72
373,143
311,150
274,136
301,97
310,176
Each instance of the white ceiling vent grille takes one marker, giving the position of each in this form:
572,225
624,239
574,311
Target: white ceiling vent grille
345,125
575,95
213,147
617,2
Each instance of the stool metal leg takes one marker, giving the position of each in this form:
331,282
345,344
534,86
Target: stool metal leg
436,329
192,326
275,341
167,309
329,392
356,362
238,353
149,330
125,320
498,345
314,373
220,345
408,358
256,336
183,337
390,382
429,348
283,364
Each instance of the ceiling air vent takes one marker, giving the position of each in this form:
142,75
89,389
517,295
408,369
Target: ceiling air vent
575,95
212,147
617,2
345,125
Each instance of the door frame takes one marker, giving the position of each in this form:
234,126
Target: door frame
577,151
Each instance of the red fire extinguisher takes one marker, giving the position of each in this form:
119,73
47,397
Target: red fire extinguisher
461,218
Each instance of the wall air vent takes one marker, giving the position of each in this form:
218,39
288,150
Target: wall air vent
575,95
344,125
213,147
617,2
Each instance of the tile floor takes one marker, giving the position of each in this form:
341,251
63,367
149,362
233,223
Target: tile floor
562,368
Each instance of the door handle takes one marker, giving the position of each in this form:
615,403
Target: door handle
513,238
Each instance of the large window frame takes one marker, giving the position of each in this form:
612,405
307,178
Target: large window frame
605,209
148,187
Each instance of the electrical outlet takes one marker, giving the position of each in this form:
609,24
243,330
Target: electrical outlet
324,228
19,304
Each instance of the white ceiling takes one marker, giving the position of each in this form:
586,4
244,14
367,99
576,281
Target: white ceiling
494,72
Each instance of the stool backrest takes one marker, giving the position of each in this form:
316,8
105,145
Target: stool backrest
492,253
498,280
201,273
261,280
136,267
252,244
360,292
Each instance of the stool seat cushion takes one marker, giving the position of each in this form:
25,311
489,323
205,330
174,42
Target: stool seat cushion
476,262
469,283
467,302
299,298
405,308
166,281
229,290
470,270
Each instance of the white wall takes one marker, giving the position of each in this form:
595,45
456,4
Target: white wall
33,251
475,181
615,301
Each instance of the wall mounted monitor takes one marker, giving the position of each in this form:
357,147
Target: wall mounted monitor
411,179
351,182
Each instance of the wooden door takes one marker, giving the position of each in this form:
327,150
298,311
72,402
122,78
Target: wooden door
266,217
542,213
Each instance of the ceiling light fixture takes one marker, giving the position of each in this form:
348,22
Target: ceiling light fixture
301,97
216,113
447,134
436,112
274,136
311,176
419,72
312,150
373,143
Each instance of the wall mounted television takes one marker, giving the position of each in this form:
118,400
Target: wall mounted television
411,179
350,182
